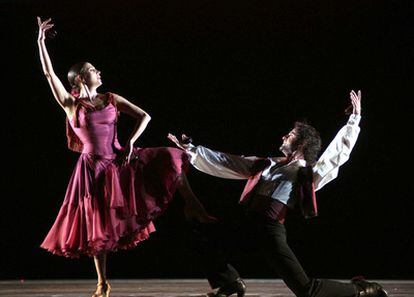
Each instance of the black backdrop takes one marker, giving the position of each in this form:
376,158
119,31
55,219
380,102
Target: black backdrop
235,75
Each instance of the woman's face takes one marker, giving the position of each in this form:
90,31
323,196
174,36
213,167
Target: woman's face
91,76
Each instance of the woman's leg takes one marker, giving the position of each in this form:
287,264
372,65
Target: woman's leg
193,208
103,288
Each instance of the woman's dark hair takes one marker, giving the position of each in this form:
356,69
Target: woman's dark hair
74,71
309,140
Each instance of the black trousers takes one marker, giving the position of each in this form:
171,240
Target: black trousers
270,238
210,242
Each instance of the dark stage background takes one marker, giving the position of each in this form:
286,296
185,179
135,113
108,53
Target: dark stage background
235,75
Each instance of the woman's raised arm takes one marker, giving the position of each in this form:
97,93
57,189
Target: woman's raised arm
62,96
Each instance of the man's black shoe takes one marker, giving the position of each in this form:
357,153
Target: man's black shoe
369,289
237,287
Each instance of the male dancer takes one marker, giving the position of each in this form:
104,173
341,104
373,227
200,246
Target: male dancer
276,184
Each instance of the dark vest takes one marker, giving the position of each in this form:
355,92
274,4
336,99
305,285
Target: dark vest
305,198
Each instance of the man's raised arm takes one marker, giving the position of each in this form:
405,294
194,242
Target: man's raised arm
338,152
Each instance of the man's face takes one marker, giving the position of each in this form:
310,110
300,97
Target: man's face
288,142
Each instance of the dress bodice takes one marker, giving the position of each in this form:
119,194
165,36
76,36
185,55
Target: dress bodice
96,129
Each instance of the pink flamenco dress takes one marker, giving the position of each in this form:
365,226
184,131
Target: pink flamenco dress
108,206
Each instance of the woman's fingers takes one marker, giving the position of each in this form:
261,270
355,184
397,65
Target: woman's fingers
48,27
44,24
128,159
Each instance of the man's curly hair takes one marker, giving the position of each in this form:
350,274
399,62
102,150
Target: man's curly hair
309,140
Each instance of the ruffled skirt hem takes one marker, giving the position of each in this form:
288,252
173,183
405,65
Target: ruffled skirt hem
109,207
97,247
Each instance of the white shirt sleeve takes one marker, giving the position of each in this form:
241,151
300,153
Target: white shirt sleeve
327,167
221,164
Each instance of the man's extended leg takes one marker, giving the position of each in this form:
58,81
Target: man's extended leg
209,240
271,236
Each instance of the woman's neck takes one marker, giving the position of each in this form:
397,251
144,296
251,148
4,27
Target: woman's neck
91,94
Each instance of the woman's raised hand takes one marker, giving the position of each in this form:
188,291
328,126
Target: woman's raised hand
43,27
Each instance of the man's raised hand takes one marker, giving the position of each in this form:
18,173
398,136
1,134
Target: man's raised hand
183,143
356,102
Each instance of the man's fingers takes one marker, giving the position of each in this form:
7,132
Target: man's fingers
353,103
39,21
356,95
172,138
177,142
353,93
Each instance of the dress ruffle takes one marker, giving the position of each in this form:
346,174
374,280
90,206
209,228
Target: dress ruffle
109,207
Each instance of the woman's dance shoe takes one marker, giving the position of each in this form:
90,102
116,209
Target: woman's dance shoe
102,290
237,287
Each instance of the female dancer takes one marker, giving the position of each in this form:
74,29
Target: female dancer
114,194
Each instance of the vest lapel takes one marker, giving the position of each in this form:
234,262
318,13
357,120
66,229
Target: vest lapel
306,193
305,189
254,179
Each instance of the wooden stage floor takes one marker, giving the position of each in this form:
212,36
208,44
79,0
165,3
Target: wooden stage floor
163,288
